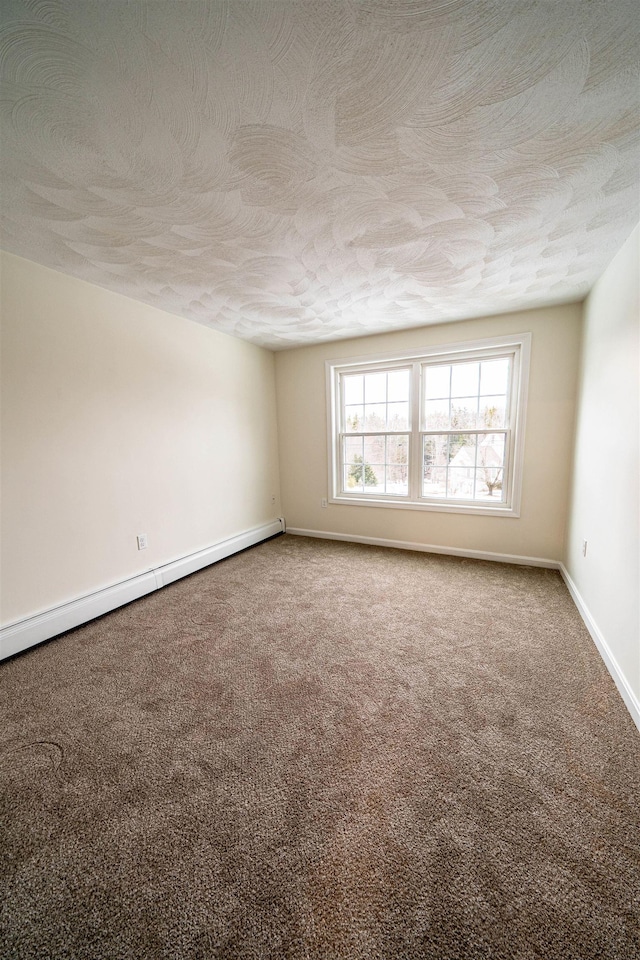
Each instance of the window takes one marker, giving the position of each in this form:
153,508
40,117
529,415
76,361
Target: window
442,430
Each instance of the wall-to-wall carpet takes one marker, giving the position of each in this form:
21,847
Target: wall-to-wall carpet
322,750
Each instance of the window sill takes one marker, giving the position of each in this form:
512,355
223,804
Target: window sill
473,509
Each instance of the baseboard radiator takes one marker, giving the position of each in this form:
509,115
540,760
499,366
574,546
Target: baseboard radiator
26,633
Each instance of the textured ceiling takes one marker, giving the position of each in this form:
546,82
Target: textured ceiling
293,172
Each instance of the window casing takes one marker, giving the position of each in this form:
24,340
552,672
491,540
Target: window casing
442,429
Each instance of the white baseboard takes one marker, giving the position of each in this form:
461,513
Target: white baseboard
428,548
631,701
32,630
25,633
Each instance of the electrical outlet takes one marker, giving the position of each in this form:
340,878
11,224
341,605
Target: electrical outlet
142,541
584,548
323,502
273,500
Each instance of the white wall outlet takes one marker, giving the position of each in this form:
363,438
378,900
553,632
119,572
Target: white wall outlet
273,500
584,548
323,502
142,541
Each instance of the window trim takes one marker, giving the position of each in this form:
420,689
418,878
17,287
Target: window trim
518,344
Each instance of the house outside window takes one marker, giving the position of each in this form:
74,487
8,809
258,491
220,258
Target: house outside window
442,429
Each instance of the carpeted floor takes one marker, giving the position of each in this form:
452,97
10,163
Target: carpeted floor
322,751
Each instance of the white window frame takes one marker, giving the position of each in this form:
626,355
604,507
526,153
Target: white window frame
518,347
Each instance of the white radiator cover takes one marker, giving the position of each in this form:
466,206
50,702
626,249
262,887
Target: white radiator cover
26,633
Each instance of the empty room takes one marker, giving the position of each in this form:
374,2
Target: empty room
320,480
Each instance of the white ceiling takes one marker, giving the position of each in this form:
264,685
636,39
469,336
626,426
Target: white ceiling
294,172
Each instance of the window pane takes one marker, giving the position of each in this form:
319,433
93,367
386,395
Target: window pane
374,449
373,478
465,379
490,466
437,381
375,388
352,449
376,465
353,419
462,451
375,416
436,451
352,480
491,450
397,480
463,466
359,476
397,416
489,485
353,389
398,450
366,407
492,412
464,413
398,465
434,482
460,483
436,415
464,474
494,376
398,385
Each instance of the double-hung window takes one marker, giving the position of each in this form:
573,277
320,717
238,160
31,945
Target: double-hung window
439,430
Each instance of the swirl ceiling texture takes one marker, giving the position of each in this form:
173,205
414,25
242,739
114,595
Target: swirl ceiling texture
295,172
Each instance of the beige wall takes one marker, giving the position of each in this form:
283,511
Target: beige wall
540,530
605,501
120,419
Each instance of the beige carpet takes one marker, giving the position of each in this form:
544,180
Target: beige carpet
319,750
